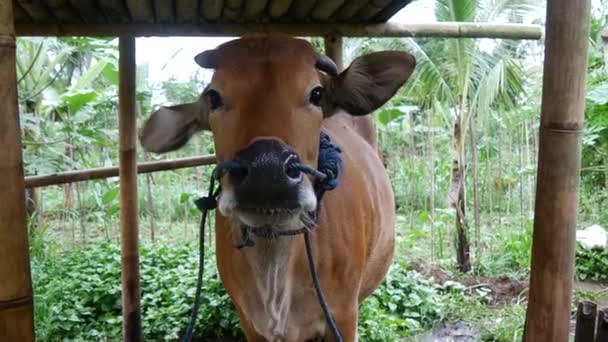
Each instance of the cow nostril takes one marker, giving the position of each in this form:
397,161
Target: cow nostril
238,175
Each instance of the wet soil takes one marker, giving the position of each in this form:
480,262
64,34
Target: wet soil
503,289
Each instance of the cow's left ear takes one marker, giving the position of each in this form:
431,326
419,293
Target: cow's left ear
169,128
368,83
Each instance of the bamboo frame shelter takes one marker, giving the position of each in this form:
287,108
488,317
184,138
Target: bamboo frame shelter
561,123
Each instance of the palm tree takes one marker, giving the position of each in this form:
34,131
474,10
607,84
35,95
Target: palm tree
469,79
463,79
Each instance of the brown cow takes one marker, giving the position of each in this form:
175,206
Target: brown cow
269,98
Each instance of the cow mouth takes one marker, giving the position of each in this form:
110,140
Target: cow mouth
275,217
260,216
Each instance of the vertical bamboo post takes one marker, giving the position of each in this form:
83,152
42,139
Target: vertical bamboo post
131,308
333,50
556,208
16,306
585,321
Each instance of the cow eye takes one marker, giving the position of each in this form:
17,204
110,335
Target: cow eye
214,98
316,95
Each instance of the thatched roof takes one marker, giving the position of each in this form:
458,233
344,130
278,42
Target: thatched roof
82,12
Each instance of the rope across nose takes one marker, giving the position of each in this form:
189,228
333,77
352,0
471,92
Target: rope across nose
330,167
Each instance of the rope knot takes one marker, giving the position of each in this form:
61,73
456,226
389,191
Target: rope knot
206,203
330,163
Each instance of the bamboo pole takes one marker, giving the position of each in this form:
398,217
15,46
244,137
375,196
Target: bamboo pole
107,172
333,50
16,305
390,29
556,208
131,306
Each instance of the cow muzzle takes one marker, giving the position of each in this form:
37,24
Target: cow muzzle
268,190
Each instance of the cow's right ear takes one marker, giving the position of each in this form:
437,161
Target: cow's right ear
169,128
369,82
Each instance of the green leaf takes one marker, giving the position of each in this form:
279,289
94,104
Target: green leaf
388,115
78,98
111,73
110,195
89,76
184,197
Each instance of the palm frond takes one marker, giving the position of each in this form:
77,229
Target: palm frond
427,82
456,10
506,10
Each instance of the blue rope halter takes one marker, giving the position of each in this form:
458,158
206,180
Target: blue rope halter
330,168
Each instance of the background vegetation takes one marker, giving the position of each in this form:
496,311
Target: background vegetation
460,143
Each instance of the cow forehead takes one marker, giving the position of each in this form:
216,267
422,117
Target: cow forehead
273,59
260,48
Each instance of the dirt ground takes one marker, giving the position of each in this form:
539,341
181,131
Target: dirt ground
503,289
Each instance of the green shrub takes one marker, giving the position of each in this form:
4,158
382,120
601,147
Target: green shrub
592,263
78,297
405,304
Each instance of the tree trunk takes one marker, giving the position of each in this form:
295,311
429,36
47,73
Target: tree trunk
521,177
68,195
412,161
509,184
186,217
500,181
149,202
475,166
457,196
31,195
463,252
529,183
83,230
604,34
488,178
431,161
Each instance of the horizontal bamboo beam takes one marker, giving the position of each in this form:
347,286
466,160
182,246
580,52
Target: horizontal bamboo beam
108,172
439,29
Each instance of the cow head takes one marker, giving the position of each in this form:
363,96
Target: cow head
265,106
